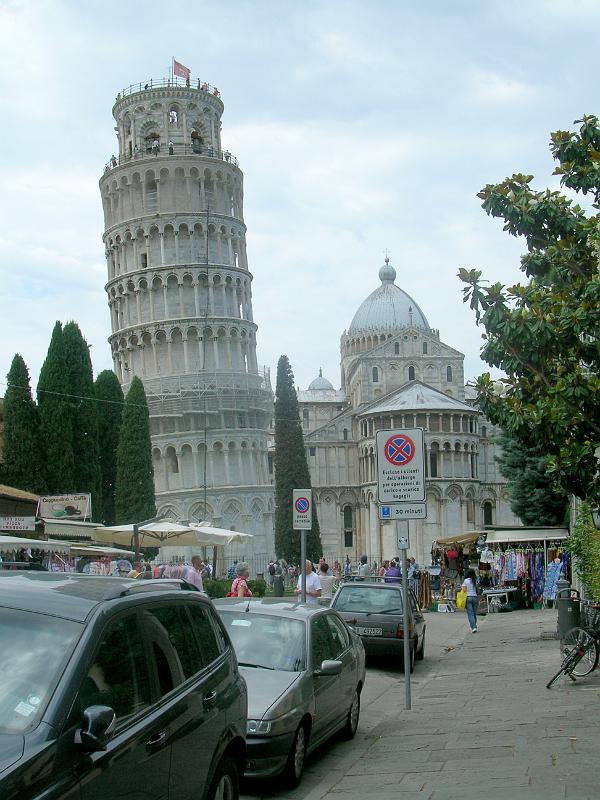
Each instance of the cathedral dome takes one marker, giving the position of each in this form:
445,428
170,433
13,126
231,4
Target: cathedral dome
321,383
388,307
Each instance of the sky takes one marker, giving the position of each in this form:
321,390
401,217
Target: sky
359,126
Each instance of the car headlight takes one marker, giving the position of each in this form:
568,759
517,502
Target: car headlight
258,726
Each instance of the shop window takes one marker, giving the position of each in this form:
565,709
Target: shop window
411,373
375,375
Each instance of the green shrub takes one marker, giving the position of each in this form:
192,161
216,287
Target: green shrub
584,545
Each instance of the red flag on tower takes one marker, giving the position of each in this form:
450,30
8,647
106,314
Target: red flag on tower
180,70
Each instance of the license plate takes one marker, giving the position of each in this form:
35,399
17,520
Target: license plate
369,631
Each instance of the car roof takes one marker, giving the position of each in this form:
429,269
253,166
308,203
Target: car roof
371,583
275,607
72,595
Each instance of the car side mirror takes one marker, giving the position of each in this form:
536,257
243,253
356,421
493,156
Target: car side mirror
98,726
329,668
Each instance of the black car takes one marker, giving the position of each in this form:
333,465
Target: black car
374,608
116,688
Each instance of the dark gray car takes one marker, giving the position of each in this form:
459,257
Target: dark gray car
375,611
305,670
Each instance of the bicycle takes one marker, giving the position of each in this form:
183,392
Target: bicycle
581,649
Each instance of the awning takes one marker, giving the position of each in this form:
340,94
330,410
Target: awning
461,538
99,550
8,543
526,535
71,528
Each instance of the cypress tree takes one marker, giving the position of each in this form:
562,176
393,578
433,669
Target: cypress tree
55,418
23,454
291,469
84,416
110,409
134,491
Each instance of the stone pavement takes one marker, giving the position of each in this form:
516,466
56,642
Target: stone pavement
483,724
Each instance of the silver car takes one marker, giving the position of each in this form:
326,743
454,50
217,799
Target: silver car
305,670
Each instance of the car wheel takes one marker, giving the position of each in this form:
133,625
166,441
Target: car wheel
420,654
295,764
225,783
351,726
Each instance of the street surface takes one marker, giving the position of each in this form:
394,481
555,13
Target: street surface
482,722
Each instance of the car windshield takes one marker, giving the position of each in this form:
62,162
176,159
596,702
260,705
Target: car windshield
359,599
33,649
266,641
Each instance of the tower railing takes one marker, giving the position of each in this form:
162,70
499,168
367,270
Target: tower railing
149,152
169,83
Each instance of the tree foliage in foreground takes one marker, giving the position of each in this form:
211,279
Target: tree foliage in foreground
134,491
532,496
584,544
543,333
23,465
110,409
291,470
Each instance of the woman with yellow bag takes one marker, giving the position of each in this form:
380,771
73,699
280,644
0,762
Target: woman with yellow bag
469,588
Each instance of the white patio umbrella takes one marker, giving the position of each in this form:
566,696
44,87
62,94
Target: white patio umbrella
150,534
215,537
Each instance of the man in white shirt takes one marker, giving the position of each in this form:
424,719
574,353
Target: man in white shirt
313,585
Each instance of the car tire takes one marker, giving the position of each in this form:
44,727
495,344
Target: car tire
294,767
412,658
225,784
420,654
351,726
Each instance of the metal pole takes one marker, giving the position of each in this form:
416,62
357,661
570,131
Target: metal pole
406,616
136,541
303,564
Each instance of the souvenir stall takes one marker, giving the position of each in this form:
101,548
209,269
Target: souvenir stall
16,551
450,558
521,566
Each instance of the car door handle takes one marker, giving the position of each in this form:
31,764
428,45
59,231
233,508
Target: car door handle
156,739
209,699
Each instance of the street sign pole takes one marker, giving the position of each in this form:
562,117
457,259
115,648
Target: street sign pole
302,522
406,617
303,564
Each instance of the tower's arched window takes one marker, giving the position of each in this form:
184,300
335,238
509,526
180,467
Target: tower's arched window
345,434
305,418
425,348
172,460
396,348
348,526
487,513
375,375
483,432
449,374
411,373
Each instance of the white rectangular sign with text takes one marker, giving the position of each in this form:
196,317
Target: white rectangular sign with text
400,466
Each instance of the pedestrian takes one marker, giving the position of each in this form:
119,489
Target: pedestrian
155,146
194,573
187,81
271,573
171,145
231,573
364,570
392,574
347,567
313,585
326,580
239,587
113,161
384,568
469,585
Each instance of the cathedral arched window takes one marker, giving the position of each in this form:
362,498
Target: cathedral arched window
483,432
375,375
397,348
425,348
345,433
172,460
487,513
411,373
449,374
305,420
348,526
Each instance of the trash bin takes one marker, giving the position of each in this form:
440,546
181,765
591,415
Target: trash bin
569,609
278,585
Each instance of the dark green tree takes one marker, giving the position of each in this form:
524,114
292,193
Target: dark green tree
23,454
134,491
533,497
56,426
110,409
84,416
291,470
544,332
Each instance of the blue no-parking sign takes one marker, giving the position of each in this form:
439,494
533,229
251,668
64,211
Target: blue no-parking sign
302,509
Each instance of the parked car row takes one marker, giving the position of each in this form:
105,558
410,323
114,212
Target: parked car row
114,687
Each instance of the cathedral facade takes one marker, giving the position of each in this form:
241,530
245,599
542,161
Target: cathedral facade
397,373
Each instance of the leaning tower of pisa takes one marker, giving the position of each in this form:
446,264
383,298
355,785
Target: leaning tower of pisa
180,299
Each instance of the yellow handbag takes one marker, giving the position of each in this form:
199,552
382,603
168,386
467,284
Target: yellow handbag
461,599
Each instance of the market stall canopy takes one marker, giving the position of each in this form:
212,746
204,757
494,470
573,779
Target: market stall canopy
97,550
153,534
70,528
503,536
20,542
210,536
461,538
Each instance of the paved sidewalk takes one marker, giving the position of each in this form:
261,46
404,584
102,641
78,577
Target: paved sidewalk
484,724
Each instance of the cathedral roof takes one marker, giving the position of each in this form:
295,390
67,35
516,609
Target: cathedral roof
415,396
388,307
320,383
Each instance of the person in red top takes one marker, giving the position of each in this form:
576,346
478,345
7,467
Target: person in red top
239,587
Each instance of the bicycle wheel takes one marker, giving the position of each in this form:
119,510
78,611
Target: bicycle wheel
561,671
586,651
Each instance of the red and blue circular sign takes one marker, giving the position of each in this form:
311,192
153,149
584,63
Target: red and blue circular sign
302,505
399,450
